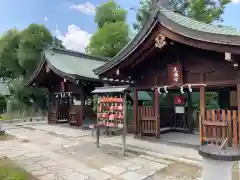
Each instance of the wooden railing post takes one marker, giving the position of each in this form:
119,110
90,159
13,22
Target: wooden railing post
200,129
229,119
238,113
235,134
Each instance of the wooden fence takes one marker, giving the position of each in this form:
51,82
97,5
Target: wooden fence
221,124
147,122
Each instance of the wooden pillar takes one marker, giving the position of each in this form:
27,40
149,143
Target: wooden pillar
157,112
238,114
49,106
135,111
202,107
190,119
82,111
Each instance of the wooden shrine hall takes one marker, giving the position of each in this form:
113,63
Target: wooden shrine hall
69,78
173,54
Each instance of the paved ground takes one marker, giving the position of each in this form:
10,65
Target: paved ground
70,154
159,147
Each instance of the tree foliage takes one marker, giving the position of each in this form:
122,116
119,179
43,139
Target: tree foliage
109,12
9,44
113,31
32,42
109,39
201,10
20,53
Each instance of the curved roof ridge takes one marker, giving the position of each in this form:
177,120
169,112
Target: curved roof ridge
197,25
78,54
194,29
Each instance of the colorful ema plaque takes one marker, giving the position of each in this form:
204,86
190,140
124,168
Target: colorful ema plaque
175,74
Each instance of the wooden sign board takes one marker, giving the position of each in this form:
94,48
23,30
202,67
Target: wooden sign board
175,77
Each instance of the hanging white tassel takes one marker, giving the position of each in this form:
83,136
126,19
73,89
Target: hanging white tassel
189,87
181,90
165,89
159,90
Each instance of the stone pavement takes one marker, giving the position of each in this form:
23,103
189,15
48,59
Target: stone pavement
157,147
71,154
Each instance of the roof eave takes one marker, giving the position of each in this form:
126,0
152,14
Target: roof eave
200,35
38,70
132,45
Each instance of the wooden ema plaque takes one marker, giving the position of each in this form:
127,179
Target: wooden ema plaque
175,74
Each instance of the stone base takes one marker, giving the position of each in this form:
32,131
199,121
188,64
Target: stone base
216,169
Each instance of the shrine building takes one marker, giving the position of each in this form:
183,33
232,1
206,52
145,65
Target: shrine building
174,56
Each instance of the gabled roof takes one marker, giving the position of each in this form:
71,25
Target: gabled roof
179,24
73,65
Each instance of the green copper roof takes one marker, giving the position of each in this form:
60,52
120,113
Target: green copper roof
199,26
4,89
74,65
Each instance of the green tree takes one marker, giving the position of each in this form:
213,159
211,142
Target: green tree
33,40
201,10
20,53
113,32
9,44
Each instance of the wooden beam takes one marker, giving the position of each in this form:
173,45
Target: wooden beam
143,56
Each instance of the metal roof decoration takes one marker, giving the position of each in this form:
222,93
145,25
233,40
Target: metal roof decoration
74,65
179,24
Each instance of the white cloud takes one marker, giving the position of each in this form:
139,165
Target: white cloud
86,8
236,1
46,18
75,39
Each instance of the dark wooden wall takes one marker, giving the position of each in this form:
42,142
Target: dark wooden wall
153,71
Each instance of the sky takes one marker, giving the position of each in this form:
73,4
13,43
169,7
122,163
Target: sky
72,21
